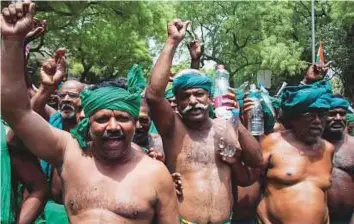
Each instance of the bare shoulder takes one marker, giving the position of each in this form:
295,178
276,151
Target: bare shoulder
269,142
328,147
350,142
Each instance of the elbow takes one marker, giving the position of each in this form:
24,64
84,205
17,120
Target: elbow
41,191
152,96
252,176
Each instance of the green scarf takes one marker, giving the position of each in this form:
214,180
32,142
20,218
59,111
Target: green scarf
301,99
111,98
7,200
191,80
350,118
337,102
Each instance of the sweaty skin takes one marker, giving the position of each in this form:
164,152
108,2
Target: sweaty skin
341,194
297,178
190,145
95,190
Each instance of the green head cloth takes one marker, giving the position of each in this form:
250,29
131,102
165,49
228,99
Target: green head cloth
191,78
337,102
301,99
111,98
136,77
169,91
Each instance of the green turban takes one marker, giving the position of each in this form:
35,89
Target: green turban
337,102
136,77
191,79
300,99
111,98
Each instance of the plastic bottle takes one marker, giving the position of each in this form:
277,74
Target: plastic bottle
230,150
255,116
221,86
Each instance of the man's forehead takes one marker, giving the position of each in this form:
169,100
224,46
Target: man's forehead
339,109
192,90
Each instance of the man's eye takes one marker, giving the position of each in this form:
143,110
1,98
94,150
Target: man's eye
123,118
101,120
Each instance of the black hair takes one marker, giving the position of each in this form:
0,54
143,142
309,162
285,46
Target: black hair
118,82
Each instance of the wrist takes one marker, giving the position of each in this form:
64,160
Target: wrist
172,42
47,89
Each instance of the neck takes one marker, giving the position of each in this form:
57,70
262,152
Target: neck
142,140
202,125
125,157
333,136
69,123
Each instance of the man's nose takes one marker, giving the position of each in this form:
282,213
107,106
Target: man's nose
113,125
193,100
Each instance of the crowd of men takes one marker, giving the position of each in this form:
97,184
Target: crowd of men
125,151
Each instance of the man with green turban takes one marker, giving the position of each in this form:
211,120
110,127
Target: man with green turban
101,173
193,142
340,201
298,161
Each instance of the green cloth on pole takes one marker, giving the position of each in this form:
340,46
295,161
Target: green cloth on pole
153,129
136,77
276,102
7,203
191,80
301,99
111,98
337,102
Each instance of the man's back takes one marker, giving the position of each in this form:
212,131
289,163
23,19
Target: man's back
341,194
111,193
296,180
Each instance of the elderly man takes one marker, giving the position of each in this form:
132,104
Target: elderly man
191,140
101,173
298,161
341,194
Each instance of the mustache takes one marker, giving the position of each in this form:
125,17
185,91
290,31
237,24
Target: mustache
113,134
67,105
341,123
197,106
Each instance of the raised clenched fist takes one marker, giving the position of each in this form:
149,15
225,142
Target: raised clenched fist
53,70
16,20
177,30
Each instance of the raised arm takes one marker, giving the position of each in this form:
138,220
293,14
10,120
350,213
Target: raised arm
52,73
45,142
162,113
196,49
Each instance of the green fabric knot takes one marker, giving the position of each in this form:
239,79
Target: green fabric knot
300,99
111,98
191,79
350,118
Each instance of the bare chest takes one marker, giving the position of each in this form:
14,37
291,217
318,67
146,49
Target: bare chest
290,168
344,159
88,188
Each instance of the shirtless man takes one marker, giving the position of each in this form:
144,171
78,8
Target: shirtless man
111,191
298,161
341,194
189,140
151,143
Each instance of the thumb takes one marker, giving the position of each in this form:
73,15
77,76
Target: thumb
185,26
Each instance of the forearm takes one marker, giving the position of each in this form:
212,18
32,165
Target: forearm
195,63
251,149
161,71
244,176
32,206
14,97
40,99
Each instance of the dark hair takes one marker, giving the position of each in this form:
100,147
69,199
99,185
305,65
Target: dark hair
118,82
